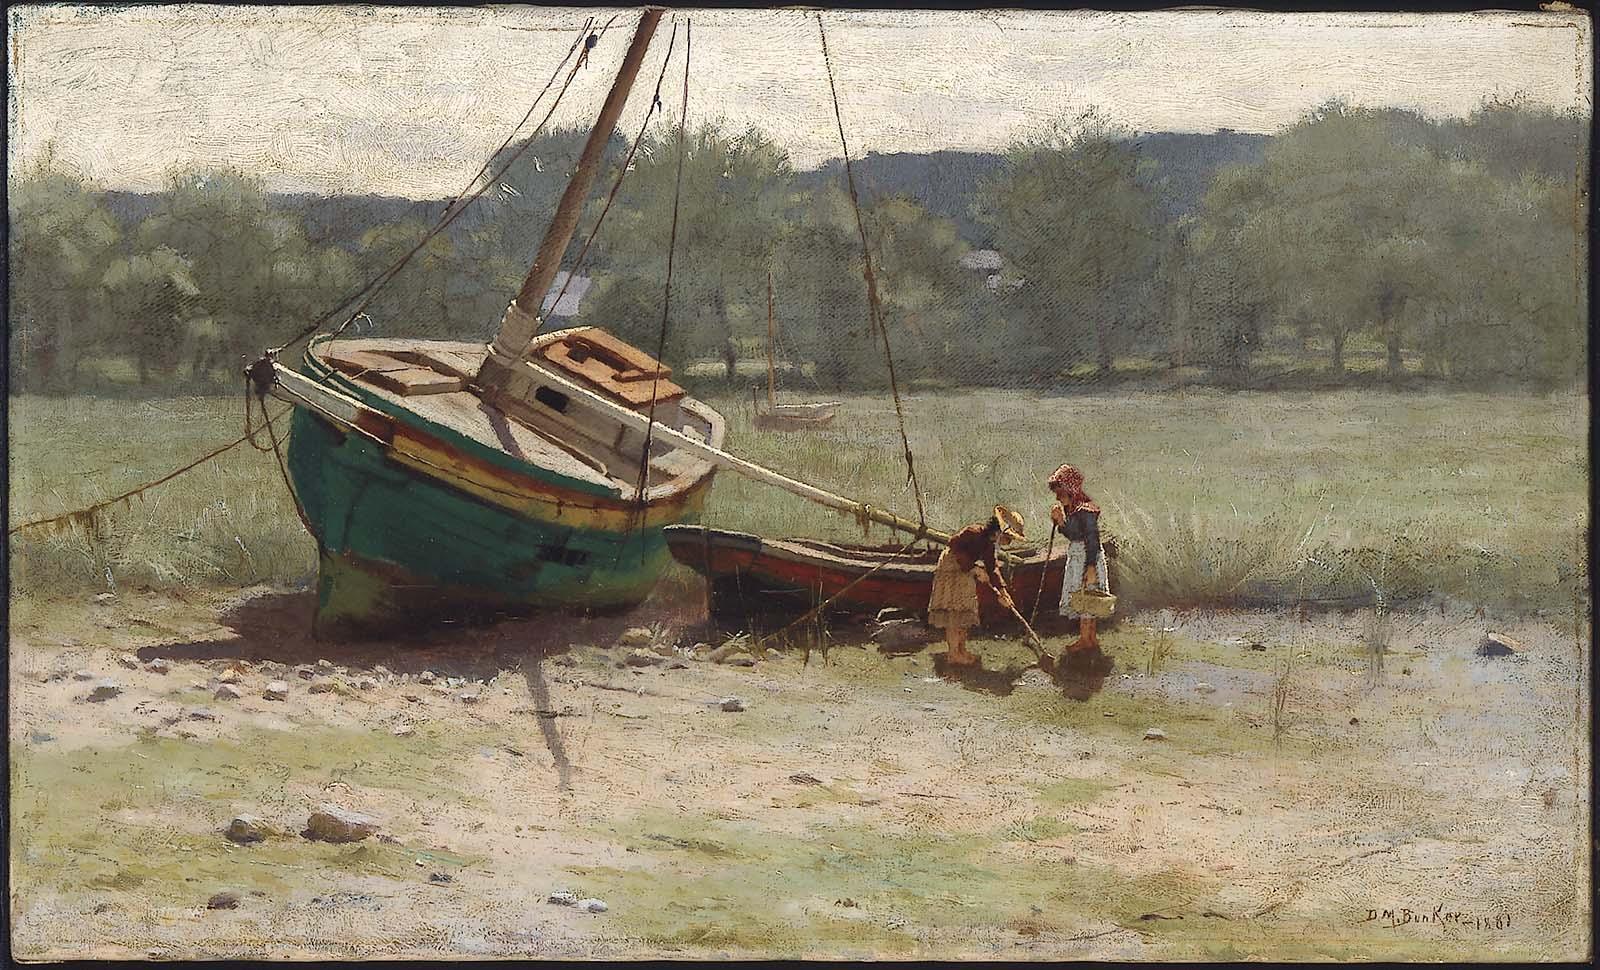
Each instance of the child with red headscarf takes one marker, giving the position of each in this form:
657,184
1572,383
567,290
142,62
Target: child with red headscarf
1078,518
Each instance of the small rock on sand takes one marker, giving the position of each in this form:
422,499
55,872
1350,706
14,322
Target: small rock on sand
592,905
324,664
159,666
562,898
40,737
277,690
427,677
468,697
104,597
104,691
644,658
305,671
323,687
1204,688
335,824
128,660
677,665
404,731
1155,734
367,683
773,654
733,704
229,676
248,828
1499,645
635,637
84,675
200,714
228,692
223,901
740,661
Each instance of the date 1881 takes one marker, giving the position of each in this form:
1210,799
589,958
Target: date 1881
1438,916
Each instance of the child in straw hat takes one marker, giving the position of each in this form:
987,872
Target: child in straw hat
969,561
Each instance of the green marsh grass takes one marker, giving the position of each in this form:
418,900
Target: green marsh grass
1216,497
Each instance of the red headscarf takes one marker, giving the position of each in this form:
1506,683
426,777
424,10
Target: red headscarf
1071,480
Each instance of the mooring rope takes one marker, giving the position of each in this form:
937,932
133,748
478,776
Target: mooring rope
874,308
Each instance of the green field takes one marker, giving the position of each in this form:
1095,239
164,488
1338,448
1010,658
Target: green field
1216,497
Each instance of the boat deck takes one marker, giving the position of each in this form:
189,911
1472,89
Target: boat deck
429,378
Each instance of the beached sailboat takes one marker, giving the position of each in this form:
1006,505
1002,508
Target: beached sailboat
785,417
447,478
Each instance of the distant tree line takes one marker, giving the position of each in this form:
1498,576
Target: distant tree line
1365,245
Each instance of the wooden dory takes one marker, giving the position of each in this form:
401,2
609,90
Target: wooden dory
752,577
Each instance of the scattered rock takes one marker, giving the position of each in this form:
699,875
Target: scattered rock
562,898
1110,713
381,671
84,675
468,697
128,660
245,829
426,677
721,654
1258,645
228,692
223,901
677,665
104,691
1204,688
734,704
229,676
440,877
740,661
104,597
454,682
635,637
334,824
643,658
160,665
592,905
277,690
40,737
367,683
898,633
324,665
1499,645
805,778
305,671
404,731
323,687
1155,734
413,698
200,714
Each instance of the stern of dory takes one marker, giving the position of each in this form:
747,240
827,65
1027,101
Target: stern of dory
429,503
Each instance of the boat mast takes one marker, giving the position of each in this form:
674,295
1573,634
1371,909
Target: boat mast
772,400
521,320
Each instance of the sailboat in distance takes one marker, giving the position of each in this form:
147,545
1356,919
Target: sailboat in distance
785,417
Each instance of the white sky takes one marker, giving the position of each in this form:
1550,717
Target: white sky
409,101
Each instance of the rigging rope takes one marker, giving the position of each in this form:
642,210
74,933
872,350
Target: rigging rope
672,248
454,209
627,164
874,308
459,204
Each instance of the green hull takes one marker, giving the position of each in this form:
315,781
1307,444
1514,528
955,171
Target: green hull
402,549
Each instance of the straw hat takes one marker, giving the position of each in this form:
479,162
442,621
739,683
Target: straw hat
1010,522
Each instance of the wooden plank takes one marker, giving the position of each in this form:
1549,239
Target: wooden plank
415,380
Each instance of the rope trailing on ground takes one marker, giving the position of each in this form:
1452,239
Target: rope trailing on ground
875,309
672,248
87,513
579,262
370,289
820,607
